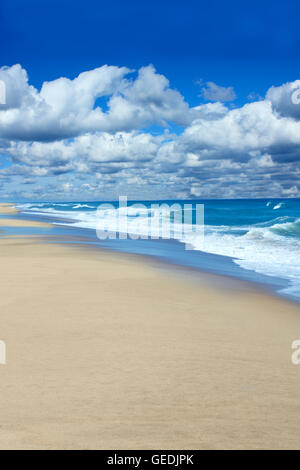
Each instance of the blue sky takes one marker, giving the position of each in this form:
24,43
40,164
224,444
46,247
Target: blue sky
193,137
249,44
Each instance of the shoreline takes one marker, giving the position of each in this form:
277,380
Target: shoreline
269,285
219,266
107,351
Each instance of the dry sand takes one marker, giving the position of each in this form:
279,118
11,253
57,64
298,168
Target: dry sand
8,209
107,352
5,222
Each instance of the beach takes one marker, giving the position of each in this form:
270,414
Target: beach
108,351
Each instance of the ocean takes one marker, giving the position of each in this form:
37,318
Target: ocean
256,240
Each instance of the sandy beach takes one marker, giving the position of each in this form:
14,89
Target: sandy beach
107,351
22,223
7,208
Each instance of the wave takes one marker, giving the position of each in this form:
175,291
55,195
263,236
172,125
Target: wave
261,250
80,206
277,220
289,229
40,206
277,206
270,247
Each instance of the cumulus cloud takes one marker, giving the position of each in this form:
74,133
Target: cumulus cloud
121,147
43,154
240,131
63,139
285,99
65,108
213,92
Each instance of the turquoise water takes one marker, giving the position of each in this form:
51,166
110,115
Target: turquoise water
257,240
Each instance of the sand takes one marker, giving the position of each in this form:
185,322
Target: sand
8,209
5,222
105,351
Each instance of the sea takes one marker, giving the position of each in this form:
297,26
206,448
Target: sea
256,240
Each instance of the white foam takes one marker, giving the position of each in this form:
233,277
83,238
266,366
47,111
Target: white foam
270,248
80,206
260,250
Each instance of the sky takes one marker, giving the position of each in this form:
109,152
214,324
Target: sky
149,99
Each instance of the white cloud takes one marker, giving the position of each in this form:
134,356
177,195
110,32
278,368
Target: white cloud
44,154
65,108
65,139
253,127
121,147
285,99
213,92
